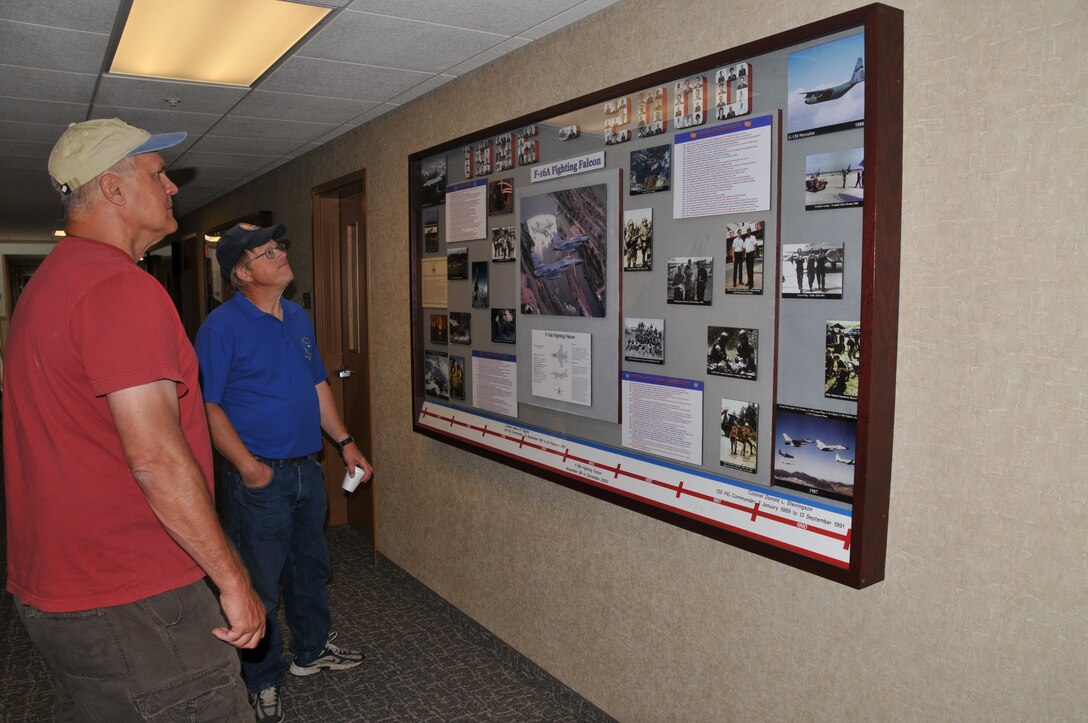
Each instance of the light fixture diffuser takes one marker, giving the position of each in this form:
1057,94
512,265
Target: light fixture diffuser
210,41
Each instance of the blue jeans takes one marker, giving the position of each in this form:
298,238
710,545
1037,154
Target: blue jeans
279,532
150,660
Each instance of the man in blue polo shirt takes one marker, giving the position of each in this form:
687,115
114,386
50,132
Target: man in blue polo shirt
267,402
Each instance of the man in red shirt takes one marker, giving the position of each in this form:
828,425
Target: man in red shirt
108,467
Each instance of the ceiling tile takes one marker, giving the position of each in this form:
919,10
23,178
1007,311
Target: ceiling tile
264,128
15,131
18,82
159,121
488,55
24,164
195,159
342,80
583,10
493,16
151,93
51,48
422,89
396,43
245,146
25,149
37,111
96,16
295,106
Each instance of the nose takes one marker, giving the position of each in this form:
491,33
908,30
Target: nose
171,189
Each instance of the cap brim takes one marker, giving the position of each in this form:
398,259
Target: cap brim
158,142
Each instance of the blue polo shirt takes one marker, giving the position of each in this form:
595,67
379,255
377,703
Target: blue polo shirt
263,372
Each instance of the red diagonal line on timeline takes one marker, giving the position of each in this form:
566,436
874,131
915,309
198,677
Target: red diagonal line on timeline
679,488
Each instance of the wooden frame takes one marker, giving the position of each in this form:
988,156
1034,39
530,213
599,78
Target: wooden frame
880,223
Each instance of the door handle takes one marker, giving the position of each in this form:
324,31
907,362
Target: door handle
344,373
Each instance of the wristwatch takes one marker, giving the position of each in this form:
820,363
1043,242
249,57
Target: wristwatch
345,442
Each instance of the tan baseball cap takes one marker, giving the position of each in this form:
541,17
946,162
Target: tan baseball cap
89,148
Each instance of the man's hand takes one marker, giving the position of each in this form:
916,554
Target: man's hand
245,618
354,457
256,475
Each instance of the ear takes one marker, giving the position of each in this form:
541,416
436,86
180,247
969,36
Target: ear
112,188
244,275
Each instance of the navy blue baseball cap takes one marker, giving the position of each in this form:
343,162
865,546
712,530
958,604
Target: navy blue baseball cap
241,237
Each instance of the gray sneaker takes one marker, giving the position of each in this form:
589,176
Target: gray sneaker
267,705
331,658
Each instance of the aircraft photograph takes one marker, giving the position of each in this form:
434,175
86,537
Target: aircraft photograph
795,442
806,467
563,252
825,95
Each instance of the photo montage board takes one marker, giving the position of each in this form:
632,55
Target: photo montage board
749,202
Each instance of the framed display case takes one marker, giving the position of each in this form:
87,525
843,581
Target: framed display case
680,294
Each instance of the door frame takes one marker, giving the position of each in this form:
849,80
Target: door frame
328,324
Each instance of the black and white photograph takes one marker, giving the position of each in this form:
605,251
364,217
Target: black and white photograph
502,244
732,351
430,230
434,181
457,264
563,252
740,429
842,360
638,239
744,257
481,299
504,326
483,156
644,340
813,270
651,170
690,280
436,374
504,152
457,377
826,88
439,332
835,180
500,197
460,327
569,133
651,112
733,88
815,452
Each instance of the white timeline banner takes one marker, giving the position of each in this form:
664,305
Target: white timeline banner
807,527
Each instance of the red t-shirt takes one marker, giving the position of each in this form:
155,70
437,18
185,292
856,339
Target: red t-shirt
81,534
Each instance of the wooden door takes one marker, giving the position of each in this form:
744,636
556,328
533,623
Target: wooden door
341,294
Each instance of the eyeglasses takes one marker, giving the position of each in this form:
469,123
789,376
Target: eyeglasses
272,252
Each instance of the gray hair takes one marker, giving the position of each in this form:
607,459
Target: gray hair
80,201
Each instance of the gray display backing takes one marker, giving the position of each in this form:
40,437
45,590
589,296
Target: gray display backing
798,362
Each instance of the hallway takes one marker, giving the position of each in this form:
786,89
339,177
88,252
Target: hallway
426,661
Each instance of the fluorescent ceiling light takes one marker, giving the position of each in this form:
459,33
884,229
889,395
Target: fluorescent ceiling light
211,41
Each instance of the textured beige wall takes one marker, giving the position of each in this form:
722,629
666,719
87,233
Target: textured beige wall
983,613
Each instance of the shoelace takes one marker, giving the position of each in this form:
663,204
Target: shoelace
332,648
269,697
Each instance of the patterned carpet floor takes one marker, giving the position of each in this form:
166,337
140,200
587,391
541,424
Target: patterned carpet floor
426,661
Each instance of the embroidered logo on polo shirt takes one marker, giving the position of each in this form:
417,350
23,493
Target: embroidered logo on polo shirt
308,348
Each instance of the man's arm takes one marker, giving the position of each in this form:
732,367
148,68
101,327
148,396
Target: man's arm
148,422
334,427
255,474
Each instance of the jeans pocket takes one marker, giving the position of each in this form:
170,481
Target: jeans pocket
211,694
83,644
